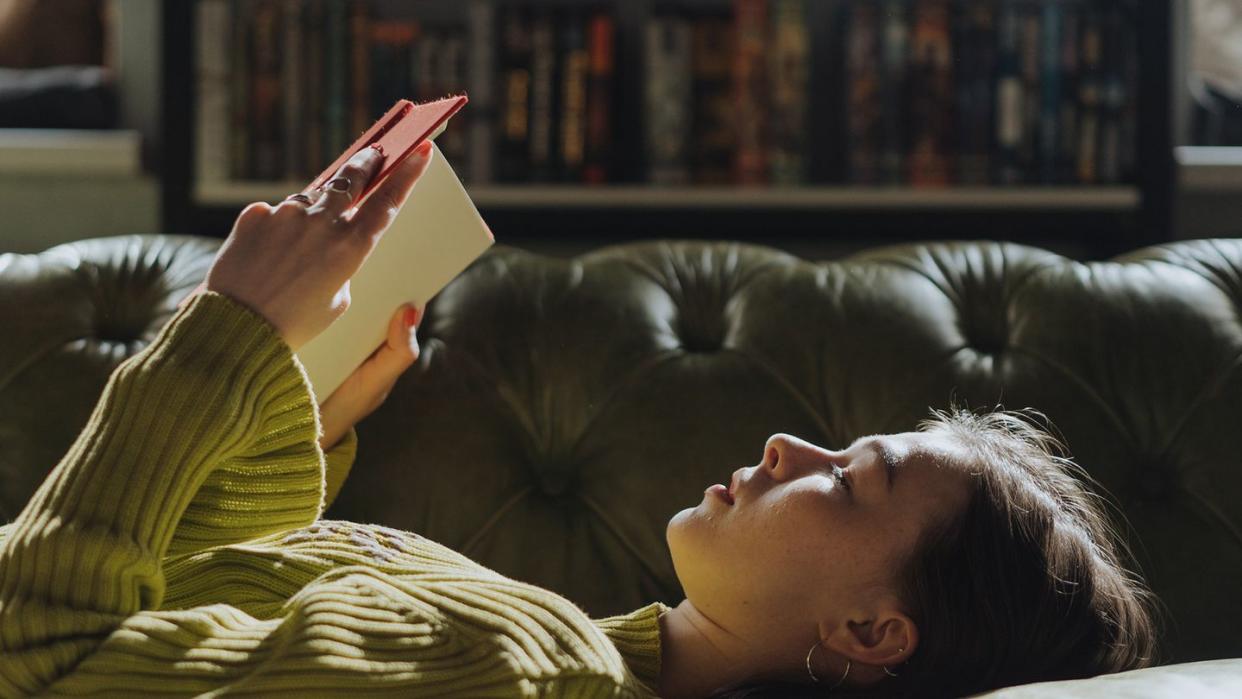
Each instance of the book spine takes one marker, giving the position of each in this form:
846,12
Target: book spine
712,52
977,65
931,99
667,98
1089,89
1028,52
292,107
750,92
1068,108
451,77
482,78
314,158
1050,90
391,42
265,92
1009,94
601,48
788,67
863,101
335,79
241,13
894,58
360,118
543,100
515,94
1127,147
212,145
575,63
1113,99
423,68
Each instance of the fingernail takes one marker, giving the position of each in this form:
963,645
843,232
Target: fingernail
411,317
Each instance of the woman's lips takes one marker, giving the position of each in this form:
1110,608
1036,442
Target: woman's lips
720,491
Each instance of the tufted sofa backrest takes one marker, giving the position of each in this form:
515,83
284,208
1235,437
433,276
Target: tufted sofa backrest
563,410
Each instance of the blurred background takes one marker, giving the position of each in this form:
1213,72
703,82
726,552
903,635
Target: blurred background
817,126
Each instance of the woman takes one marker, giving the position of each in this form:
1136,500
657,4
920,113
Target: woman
176,549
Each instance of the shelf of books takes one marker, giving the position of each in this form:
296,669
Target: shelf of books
707,104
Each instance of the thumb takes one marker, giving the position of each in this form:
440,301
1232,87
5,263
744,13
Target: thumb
403,339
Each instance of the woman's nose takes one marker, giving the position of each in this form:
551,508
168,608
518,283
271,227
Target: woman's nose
787,455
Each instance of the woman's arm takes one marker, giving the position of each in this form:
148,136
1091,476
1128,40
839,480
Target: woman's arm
206,436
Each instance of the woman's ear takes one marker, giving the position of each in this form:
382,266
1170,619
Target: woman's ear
884,641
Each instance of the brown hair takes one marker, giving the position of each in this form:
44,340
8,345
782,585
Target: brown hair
1026,584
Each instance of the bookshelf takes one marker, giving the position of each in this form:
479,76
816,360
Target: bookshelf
1102,219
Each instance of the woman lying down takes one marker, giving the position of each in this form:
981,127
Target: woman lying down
176,549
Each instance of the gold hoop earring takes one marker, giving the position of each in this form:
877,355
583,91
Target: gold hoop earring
888,672
812,674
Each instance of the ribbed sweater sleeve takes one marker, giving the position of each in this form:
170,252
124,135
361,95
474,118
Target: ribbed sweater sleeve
206,437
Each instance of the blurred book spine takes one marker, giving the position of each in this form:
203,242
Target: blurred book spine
921,93
788,69
601,50
750,92
212,146
667,99
713,122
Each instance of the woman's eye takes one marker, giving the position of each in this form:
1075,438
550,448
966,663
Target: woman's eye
839,474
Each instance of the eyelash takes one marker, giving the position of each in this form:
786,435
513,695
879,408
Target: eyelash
839,474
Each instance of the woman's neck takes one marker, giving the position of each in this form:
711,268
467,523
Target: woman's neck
698,656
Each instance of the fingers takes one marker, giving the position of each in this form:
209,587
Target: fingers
379,210
340,192
402,330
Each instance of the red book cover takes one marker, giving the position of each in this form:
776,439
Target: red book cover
600,48
398,133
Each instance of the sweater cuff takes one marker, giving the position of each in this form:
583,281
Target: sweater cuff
337,462
637,636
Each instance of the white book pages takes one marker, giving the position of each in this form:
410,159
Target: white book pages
437,234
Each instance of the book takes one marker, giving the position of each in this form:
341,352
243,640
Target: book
750,93
212,140
239,98
574,67
515,94
713,130
265,90
312,86
667,98
360,69
435,236
1089,100
1009,95
787,71
931,96
291,102
599,124
863,93
482,84
975,99
542,145
894,60
1050,91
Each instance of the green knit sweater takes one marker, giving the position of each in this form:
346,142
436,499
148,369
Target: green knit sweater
177,549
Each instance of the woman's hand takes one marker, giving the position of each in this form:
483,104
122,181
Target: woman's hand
292,263
366,388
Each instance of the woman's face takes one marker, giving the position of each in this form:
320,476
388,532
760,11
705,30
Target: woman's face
813,536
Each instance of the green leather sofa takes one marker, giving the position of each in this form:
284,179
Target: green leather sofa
563,410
